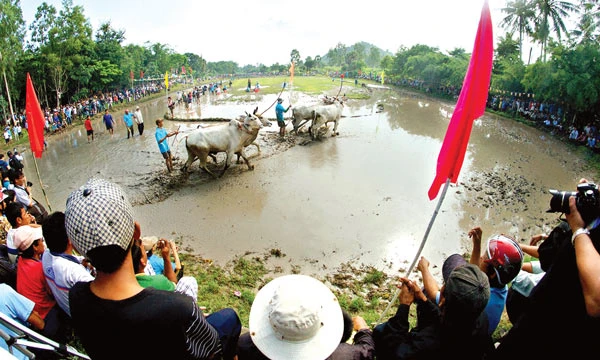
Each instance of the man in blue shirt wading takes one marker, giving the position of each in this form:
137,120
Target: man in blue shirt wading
161,136
279,110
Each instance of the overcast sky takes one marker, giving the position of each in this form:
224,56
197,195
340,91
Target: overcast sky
266,31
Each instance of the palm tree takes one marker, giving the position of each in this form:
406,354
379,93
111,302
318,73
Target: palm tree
520,16
551,11
588,23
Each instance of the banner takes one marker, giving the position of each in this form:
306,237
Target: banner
183,70
292,67
131,74
470,105
141,74
35,120
167,79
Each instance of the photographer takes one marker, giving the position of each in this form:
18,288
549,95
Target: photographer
565,304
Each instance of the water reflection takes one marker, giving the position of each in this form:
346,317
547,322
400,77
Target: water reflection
361,196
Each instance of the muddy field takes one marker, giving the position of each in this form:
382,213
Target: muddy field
359,198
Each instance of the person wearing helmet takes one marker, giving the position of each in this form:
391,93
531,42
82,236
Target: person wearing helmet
501,261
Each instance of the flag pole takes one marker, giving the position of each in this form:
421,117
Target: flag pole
37,170
418,254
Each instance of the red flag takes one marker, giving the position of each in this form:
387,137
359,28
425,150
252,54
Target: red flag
35,120
183,69
470,105
131,74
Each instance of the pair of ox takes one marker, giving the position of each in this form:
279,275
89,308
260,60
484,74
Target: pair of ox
330,110
231,138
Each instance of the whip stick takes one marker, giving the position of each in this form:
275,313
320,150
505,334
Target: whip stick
278,96
41,185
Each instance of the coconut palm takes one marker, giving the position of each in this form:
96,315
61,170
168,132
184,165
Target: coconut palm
587,26
550,19
520,17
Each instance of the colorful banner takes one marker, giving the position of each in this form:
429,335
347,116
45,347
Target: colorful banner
35,120
292,67
183,70
167,79
470,105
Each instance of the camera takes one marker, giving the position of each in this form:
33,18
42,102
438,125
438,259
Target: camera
587,199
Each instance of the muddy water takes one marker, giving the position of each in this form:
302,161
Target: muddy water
359,197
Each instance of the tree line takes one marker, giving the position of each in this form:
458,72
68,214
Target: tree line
69,62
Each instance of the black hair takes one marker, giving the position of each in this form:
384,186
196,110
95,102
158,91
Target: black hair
29,252
55,232
14,174
348,326
108,258
12,212
136,256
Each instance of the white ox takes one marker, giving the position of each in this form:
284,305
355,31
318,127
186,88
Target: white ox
231,138
325,114
310,113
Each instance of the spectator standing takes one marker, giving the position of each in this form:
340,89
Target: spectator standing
139,120
108,122
128,120
88,128
3,164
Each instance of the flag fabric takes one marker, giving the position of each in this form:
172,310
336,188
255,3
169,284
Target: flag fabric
292,67
183,70
167,79
382,76
35,120
470,105
141,74
131,74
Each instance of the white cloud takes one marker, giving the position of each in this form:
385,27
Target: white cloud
266,31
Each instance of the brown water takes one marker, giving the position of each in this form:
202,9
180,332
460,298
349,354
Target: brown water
359,197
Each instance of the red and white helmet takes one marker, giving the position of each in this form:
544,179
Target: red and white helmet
505,257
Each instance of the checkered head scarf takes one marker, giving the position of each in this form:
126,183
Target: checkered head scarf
99,214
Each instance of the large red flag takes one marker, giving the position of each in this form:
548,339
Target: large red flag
35,120
470,105
183,70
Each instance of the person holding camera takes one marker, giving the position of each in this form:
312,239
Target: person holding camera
565,304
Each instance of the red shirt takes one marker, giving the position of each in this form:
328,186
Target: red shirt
31,283
88,124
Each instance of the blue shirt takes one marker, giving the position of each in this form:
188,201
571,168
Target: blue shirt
16,307
279,110
128,118
158,264
495,306
159,134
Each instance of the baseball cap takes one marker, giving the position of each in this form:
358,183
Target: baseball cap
452,262
99,214
467,291
296,317
25,235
